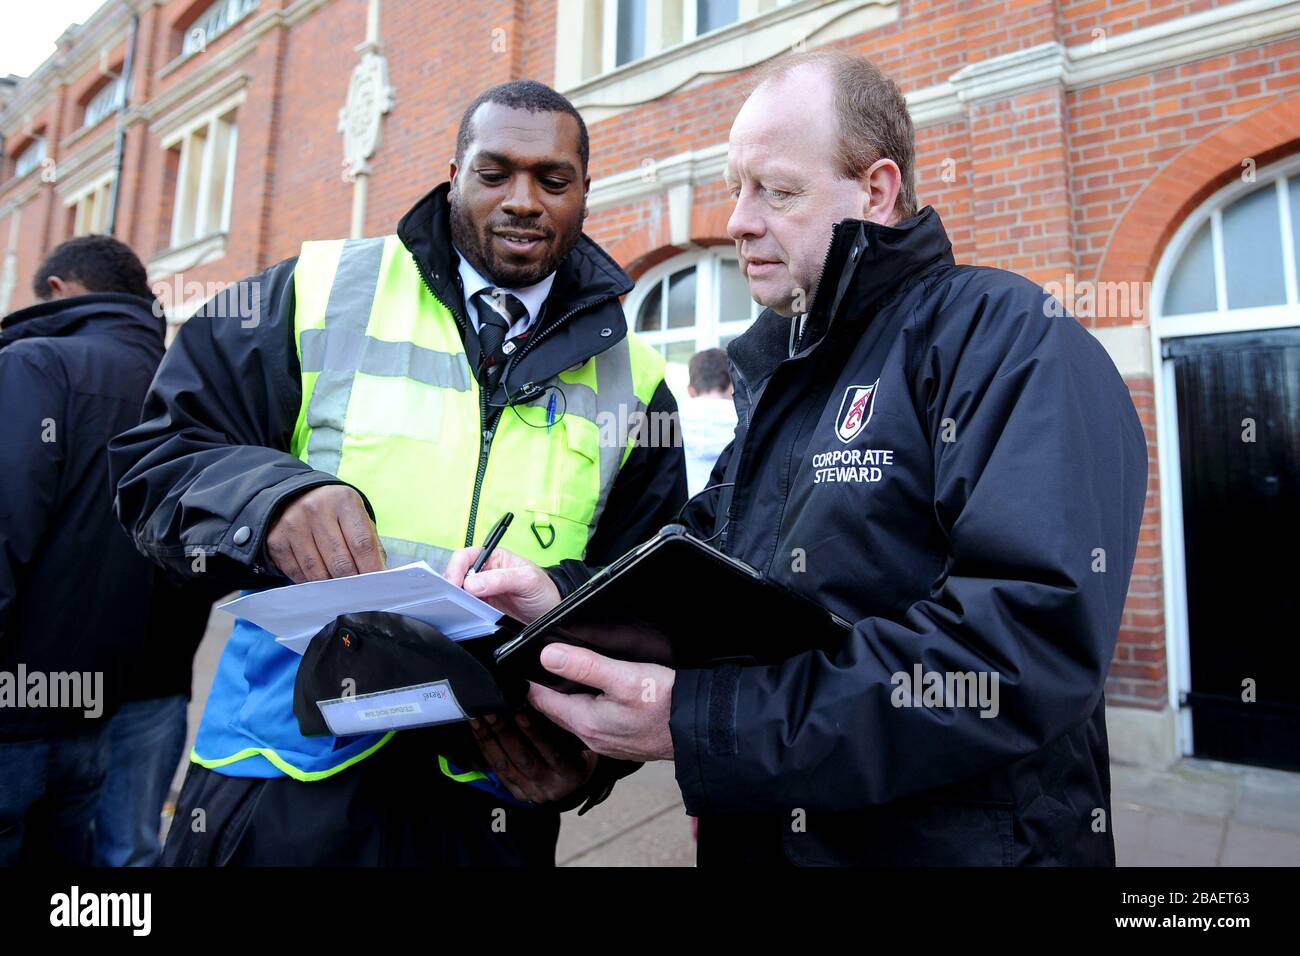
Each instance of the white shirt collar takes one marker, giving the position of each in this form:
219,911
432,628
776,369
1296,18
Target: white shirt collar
531,296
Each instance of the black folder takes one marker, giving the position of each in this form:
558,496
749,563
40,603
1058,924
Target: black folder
679,602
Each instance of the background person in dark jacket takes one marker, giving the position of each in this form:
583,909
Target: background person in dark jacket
74,593
147,735
934,452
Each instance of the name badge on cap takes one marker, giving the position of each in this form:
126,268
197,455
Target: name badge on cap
416,706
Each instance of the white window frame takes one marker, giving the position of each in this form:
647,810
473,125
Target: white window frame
209,23
655,41
30,158
1222,318
707,332
104,103
198,142
9,269
90,203
758,35
1169,461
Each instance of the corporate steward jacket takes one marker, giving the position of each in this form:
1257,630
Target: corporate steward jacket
957,468
377,331
74,593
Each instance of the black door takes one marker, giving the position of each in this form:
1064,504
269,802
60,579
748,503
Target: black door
1239,445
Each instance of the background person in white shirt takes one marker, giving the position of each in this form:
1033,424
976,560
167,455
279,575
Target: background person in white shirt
708,416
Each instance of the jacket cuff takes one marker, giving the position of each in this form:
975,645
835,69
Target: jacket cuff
569,575
245,539
685,723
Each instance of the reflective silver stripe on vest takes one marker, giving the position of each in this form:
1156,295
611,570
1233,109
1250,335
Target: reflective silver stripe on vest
347,311
613,389
402,552
579,400
379,357
342,349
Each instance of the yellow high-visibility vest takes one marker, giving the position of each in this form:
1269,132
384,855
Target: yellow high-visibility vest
391,406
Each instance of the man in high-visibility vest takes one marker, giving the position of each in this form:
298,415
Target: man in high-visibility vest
378,401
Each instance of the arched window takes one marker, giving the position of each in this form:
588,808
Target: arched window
1234,263
691,302
216,19
1225,322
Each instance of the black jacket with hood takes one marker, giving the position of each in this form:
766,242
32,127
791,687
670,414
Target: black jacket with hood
956,467
211,456
74,593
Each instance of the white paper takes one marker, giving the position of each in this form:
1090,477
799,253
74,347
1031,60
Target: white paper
295,612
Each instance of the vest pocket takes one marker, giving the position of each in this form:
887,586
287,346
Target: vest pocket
566,480
563,487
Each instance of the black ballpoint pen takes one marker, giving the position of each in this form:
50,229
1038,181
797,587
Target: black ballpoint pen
493,539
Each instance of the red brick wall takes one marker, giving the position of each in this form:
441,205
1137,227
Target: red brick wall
309,198
1125,133
1138,673
1080,18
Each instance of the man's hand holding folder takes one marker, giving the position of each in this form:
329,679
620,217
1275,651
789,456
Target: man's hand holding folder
628,720
527,756
530,758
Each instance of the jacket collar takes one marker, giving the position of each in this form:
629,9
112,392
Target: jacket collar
120,312
866,264
581,318
586,276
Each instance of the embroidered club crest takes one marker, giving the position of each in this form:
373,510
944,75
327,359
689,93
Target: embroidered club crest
855,411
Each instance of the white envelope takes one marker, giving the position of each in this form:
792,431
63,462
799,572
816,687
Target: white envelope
295,612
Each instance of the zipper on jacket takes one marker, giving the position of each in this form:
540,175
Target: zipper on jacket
794,349
484,450
529,388
798,340
485,445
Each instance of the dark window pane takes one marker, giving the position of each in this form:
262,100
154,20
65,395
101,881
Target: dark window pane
737,306
681,299
1191,287
712,14
649,317
1293,187
679,353
1252,250
631,31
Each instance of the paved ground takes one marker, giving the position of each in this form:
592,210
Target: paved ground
1203,813
1196,813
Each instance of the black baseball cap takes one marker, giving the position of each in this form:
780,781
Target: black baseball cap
381,665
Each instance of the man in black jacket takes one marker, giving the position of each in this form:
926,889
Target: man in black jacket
935,453
74,593
218,473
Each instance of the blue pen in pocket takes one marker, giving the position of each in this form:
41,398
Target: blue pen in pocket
550,412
